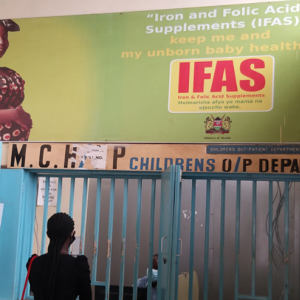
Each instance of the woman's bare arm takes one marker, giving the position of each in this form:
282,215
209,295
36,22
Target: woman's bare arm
17,115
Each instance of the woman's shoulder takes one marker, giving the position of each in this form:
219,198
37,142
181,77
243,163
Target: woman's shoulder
81,259
9,71
81,262
11,75
7,76
78,260
37,258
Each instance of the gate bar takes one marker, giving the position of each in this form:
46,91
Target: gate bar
286,241
252,297
152,222
96,231
109,237
137,238
123,243
28,189
192,236
222,239
59,189
253,251
72,188
97,173
206,243
157,174
45,216
176,234
83,216
237,238
270,239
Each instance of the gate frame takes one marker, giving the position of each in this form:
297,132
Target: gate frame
28,214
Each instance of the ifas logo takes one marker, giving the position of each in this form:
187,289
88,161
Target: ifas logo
217,125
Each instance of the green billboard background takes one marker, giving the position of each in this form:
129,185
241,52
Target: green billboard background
82,86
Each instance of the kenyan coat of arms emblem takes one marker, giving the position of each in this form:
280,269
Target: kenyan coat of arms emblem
217,125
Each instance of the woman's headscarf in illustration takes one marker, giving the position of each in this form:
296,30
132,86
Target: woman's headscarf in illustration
10,25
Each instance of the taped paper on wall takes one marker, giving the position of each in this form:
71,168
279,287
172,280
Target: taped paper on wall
95,155
52,196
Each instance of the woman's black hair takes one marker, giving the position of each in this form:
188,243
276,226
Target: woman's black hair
59,228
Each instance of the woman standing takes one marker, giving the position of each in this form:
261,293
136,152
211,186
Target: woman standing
58,275
15,123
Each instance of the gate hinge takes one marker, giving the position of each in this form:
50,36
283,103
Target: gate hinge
180,175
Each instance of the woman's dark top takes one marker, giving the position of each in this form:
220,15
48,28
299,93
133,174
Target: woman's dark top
72,277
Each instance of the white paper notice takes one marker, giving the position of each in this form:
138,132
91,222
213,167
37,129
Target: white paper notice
52,198
1,212
95,154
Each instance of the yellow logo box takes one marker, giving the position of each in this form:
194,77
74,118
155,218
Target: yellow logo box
230,84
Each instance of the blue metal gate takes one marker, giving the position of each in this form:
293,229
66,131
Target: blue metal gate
276,190
171,237
30,228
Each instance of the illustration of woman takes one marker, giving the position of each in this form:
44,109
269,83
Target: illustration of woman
15,123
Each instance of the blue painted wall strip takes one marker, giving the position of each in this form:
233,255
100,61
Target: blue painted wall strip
123,242
192,238
286,241
206,242
0,155
16,177
109,238
253,248
83,216
137,239
96,231
45,216
222,240
270,239
151,238
237,238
